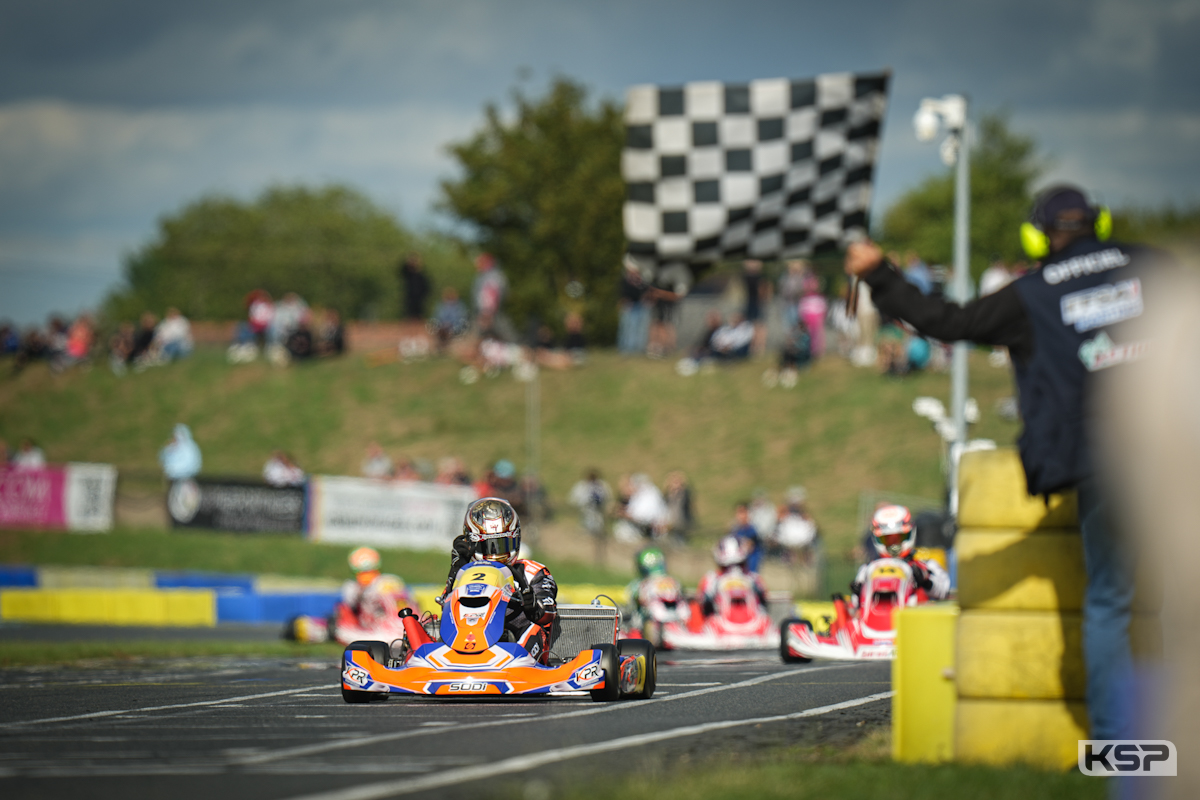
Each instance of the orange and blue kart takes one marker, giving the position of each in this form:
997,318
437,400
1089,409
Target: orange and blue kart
472,658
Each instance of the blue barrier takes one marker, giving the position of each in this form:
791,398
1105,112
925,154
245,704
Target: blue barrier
253,607
11,575
203,580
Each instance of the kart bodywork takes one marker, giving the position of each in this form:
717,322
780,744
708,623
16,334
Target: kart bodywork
738,622
865,630
660,602
471,657
377,620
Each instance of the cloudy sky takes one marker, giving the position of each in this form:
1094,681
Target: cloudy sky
116,112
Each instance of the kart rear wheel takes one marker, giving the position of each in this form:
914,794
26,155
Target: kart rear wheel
378,651
610,664
787,656
641,647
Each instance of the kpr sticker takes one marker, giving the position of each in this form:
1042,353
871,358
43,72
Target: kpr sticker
1102,352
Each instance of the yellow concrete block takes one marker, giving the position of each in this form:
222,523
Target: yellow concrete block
1020,655
1042,733
1020,569
992,494
183,607
923,679
583,593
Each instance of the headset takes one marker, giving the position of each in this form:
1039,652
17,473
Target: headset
1033,237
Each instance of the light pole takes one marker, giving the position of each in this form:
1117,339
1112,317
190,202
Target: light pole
951,111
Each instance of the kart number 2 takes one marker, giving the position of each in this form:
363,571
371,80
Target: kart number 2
355,674
467,687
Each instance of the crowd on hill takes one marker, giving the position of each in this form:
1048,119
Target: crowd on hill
285,331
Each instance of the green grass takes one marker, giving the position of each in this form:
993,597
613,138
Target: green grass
841,431
828,773
278,554
20,654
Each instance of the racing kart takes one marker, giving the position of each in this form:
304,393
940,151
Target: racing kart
660,601
738,622
376,619
471,656
862,630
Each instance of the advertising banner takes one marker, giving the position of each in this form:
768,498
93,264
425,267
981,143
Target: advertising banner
68,497
235,505
412,515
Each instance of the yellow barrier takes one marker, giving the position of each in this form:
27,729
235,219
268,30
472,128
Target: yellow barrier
992,494
923,678
182,607
1044,733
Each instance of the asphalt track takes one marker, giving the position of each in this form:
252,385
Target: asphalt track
277,728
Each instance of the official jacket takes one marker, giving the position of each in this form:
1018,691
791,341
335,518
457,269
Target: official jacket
1061,324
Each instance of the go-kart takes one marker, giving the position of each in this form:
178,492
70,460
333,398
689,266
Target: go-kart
660,601
376,618
738,622
471,656
863,630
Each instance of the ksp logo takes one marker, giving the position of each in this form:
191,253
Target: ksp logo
1153,758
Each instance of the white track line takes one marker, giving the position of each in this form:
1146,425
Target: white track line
375,791
343,744
98,714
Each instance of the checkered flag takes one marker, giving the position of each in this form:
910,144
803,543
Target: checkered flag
769,169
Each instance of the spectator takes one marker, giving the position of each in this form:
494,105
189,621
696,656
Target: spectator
10,340
28,456
416,286
758,292
678,495
406,470
917,273
300,345
56,338
173,337
180,458
377,463
260,313
501,481
791,289
452,472
291,313
813,309
796,533
646,514
744,530
120,345
634,321
574,342
331,334
593,497
34,346
489,290
794,355
79,344
282,470
671,285
143,338
764,516
733,340
449,318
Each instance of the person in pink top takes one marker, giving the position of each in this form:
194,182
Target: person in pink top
812,311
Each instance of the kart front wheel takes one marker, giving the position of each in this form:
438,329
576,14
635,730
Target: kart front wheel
784,652
378,651
641,647
610,665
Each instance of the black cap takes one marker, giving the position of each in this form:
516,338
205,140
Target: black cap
1053,203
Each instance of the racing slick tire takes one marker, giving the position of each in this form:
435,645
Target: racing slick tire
641,647
787,657
610,663
378,651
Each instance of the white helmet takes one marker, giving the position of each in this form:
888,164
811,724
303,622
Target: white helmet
893,531
730,551
494,530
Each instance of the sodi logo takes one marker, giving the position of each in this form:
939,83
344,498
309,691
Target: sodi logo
1150,758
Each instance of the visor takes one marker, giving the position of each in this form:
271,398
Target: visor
497,547
891,540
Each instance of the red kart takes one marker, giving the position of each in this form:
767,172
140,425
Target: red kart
738,622
861,630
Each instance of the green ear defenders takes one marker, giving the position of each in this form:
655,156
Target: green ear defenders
1034,240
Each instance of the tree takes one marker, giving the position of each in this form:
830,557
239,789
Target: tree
1004,166
332,245
542,191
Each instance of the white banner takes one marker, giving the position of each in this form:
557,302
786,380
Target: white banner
411,515
88,496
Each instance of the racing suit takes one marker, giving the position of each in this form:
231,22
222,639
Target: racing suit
711,582
927,575
528,620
